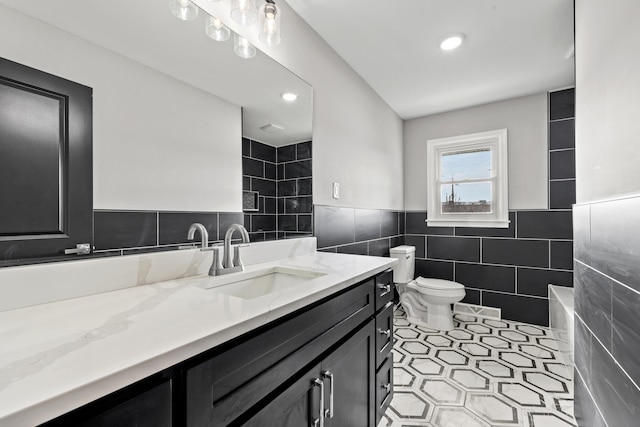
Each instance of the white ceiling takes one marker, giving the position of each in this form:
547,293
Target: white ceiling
146,31
513,48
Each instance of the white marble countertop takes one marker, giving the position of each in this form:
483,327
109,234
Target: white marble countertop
58,356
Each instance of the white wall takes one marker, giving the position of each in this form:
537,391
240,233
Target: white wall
357,138
526,121
159,144
607,99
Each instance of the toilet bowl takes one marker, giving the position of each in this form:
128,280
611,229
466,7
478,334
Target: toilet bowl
427,302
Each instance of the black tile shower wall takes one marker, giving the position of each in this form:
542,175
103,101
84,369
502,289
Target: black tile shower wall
259,174
357,231
294,195
562,170
607,303
282,178
125,232
509,268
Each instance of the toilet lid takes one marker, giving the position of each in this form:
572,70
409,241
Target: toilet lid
437,284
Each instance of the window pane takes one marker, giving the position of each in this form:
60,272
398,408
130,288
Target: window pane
471,197
467,164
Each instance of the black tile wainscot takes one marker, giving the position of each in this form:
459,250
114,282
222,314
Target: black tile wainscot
282,178
131,232
508,268
357,231
607,303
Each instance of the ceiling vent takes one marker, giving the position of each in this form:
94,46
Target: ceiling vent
271,128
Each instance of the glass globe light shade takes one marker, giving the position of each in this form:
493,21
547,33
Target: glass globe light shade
243,48
216,29
184,9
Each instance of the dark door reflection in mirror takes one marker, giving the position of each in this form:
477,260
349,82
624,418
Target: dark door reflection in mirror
45,163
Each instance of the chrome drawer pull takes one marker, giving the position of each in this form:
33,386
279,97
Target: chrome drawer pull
319,422
385,288
386,387
383,332
329,374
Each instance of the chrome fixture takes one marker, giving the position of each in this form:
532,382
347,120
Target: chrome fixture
204,235
244,13
269,23
229,265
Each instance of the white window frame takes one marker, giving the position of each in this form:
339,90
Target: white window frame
495,140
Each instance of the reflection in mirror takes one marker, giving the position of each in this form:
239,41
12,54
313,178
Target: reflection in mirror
171,108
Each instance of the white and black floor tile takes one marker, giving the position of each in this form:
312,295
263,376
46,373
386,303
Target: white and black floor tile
483,373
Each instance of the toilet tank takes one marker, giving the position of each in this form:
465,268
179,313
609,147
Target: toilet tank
403,271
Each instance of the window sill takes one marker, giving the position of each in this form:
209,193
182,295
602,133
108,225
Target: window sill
471,223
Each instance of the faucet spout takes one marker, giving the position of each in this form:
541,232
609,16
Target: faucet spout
227,262
204,235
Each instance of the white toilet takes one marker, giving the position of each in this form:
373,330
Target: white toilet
427,302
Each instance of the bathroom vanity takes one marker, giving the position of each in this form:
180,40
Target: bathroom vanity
203,351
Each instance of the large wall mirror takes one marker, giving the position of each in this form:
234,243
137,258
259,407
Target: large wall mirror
184,129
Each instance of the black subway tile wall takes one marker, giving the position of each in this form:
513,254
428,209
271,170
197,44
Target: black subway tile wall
129,232
358,231
562,169
607,303
509,268
282,178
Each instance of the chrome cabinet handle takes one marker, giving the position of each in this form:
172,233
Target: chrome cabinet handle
383,332
320,421
329,374
386,387
385,288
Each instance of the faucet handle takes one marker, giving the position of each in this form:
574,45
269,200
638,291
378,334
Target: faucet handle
216,265
237,262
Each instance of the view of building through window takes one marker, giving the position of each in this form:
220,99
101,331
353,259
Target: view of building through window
465,181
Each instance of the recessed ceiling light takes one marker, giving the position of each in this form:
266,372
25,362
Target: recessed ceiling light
289,96
453,41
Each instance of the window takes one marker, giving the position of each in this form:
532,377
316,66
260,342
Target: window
467,180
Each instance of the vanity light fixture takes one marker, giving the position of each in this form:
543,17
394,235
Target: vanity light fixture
216,29
184,9
269,23
244,12
289,96
452,41
243,48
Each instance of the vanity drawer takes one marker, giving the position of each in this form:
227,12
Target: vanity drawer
384,387
384,333
384,289
227,384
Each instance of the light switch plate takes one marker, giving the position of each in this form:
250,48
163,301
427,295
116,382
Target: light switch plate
336,190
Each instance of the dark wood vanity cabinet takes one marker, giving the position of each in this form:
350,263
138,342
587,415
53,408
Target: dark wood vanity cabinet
327,362
384,289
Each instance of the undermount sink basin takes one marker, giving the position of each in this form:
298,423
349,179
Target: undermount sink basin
258,283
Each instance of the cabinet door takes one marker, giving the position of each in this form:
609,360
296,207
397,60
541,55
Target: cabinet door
349,375
298,406
45,163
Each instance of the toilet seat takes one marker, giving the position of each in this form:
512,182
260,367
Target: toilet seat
437,284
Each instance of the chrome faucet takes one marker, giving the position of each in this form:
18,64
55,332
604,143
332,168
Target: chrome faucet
228,265
204,235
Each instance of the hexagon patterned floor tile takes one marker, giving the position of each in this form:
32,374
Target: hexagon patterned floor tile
483,373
